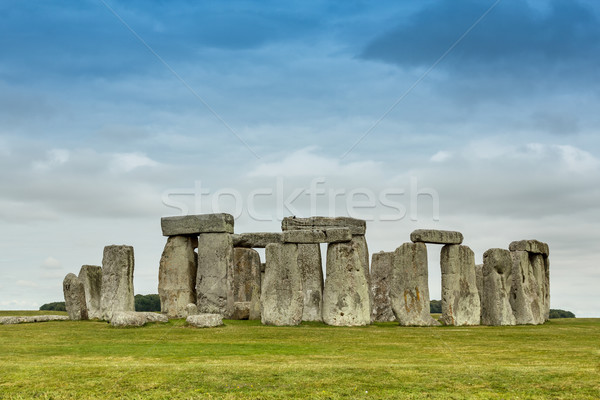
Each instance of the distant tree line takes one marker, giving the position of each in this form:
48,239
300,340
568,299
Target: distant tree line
435,307
56,306
147,302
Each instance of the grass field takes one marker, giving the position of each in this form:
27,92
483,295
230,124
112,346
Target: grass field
244,360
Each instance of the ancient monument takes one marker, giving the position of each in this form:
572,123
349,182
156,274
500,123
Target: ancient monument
208,273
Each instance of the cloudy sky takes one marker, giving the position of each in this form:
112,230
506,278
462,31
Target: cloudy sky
478,116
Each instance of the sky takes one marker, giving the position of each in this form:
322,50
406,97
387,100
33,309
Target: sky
476,116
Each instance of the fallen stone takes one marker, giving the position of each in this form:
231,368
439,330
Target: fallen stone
282,299
30,319
496,286
197,224
381,277
246,282
205,320
117,280
309,263
346,298
460,298
191,309
74,293
409,289
532,246
214,277
91,277
527,290
177,275
356,226
330,235
436,236
241,310
256,239
134,318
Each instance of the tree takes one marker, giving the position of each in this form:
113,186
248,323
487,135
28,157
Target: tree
148,302
435,307
56,306
561,314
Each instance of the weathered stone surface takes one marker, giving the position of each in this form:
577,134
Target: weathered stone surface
241,310
133,318
33,318
191,309
282,299
215,274
205,320
256,239
246,282
532,246
91,277
308,236
409,290
496,286
177,275
117,280
357,226
436,236
460,298
479,281
74,293
381,277
309,263
346,298
196,224
529,297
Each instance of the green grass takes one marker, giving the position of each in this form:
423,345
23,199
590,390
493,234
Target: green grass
244,360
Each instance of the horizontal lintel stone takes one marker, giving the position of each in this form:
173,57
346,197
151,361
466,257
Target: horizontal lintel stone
356,226
197,224
256,239
436,236
331,235
532,246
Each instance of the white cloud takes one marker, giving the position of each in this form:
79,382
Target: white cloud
54,157
23,304
126,162
440,156
25,283
51,263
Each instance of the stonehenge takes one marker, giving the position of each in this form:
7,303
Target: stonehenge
208,273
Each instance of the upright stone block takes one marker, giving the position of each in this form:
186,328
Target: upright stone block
356,226
530,292
117,280
496,286
346,298
282,299
246,283
309,263
409,290
436,236
91,277
74,293
214,286
381,277
460,298
197,224
177,275
479,280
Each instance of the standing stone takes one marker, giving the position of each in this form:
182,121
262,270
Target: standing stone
496,286
530,287
191,309
246,283
91,276
381,276
214,277
177,275
409,290
117,280
309,263
460,299
479,280
74,293
282,299
346,298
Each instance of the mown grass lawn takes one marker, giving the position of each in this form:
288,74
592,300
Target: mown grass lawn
244,360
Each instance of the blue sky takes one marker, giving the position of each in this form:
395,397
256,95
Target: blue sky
264,99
